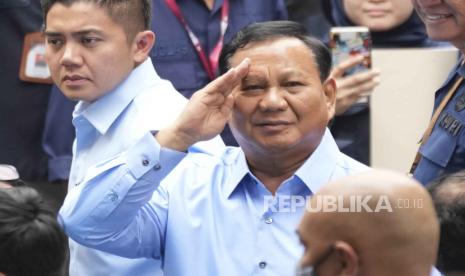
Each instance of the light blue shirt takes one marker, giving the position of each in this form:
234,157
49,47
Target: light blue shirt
111,125
209,216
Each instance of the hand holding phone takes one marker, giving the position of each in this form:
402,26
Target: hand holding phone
351,53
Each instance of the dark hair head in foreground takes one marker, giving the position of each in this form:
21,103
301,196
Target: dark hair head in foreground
263,31
31,241
448,194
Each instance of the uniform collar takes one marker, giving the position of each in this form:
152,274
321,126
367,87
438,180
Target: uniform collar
104,111
314,173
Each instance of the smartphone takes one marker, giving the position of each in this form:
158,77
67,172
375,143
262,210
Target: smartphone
350,41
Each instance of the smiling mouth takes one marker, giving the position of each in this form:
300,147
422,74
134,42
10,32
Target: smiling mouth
437,16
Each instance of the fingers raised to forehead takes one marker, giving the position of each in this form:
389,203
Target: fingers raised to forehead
225,84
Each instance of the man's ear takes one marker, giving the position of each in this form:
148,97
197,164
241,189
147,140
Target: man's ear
348,259
329,89
142,44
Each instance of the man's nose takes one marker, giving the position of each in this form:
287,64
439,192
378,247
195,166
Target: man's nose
273,100
71,55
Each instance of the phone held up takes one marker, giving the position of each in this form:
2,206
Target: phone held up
345,42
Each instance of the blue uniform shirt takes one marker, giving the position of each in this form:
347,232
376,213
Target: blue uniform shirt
444,152
209,216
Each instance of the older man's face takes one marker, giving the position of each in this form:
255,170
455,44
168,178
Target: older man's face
282,103
444,19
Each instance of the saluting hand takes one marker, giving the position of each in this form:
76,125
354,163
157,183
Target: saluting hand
206,113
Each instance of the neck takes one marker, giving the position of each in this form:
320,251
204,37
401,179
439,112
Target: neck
273,169
209,3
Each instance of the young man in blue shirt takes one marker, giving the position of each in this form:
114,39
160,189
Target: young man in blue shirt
97,52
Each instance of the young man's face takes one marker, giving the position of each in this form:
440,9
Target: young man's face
87,52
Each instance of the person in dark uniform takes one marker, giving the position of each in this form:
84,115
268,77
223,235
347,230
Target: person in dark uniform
443,144
22,103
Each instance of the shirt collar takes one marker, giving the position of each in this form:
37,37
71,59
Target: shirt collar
314,173
319,167
104,111
240,170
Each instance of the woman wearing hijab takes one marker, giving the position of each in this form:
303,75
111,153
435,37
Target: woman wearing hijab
393,24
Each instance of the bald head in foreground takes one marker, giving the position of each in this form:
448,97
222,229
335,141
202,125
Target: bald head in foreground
382,223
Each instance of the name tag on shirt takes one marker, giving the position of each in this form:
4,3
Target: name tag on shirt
33,66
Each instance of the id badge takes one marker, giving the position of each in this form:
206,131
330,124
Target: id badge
33,66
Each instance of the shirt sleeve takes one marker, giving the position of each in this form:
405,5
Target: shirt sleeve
108,210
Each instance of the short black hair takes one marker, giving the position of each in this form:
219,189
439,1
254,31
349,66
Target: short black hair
448,193
133,15
31,240
262,31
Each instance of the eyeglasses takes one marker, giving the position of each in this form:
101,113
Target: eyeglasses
310,270
10,175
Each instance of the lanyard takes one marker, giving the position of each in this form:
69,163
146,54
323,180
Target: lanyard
210,64
435,117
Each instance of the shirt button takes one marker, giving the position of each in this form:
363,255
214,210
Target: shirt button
113,196
157,167
268,220
262,265
145,162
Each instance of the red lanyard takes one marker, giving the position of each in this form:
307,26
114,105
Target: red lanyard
210,64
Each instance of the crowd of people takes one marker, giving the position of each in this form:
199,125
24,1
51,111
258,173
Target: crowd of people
197,137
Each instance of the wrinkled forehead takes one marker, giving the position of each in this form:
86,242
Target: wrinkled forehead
275,44
286,52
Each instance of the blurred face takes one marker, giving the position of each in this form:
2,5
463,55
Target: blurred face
444,19
281,105
378,15
88,54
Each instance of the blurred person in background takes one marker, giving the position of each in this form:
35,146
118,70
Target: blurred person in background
392,24
32,242
448,193
22,103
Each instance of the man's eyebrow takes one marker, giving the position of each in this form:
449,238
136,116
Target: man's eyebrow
78,33
47,33
88,31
